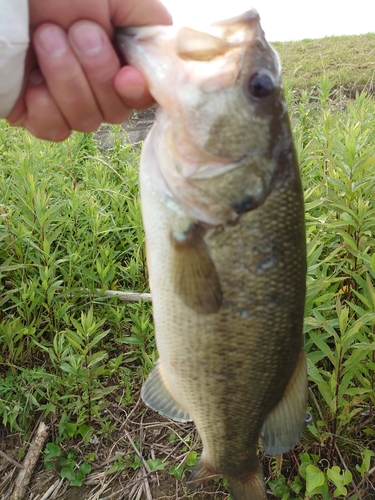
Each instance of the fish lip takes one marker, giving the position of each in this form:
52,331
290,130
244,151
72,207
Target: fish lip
139,33
250,15
166,31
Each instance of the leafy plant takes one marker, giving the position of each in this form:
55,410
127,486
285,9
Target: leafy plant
69,230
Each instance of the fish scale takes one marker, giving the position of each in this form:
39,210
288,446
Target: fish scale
225,238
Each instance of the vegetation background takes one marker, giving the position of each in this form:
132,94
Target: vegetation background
74,356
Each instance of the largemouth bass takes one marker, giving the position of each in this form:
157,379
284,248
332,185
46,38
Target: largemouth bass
223,214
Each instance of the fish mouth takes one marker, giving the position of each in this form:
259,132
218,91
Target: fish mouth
228,26
221,44
219,36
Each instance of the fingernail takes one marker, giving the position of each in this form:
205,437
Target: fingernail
86,38
53,40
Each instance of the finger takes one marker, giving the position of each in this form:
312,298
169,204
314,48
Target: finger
132,87
65,78
17,115
100,64
43,118
140,13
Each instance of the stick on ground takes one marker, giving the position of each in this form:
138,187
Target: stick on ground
23,479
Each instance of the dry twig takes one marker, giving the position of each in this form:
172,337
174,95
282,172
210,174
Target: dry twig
22,481
10,459
124,296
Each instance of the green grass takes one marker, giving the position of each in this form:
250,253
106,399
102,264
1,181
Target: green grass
347,61
70,229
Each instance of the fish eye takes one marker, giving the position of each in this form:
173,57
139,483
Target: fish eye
261,85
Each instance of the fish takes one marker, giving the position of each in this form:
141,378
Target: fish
223,213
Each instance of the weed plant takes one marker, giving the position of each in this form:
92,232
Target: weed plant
336,146
70,228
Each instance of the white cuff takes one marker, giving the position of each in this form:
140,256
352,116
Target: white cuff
14,41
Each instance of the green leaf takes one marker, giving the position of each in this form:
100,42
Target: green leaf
156,464
192,458
68,428
77,481
97,338
117,466
319,341
52,451
339,480
348,476
97,358
86,432
296,485
85,468
343,320
279,488
314,479
177,470
367,455
67,472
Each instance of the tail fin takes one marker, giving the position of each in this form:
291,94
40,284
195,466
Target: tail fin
249,488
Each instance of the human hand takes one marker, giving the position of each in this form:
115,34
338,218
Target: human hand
78,82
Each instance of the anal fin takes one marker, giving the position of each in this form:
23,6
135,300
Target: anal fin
196,281
158,397
284,424
199,475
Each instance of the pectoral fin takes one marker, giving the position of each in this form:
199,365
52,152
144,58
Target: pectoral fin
158,397
284,425
196,281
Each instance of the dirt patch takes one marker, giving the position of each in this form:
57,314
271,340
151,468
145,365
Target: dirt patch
135,129
138,435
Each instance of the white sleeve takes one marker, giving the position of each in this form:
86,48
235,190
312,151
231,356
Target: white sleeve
14,41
